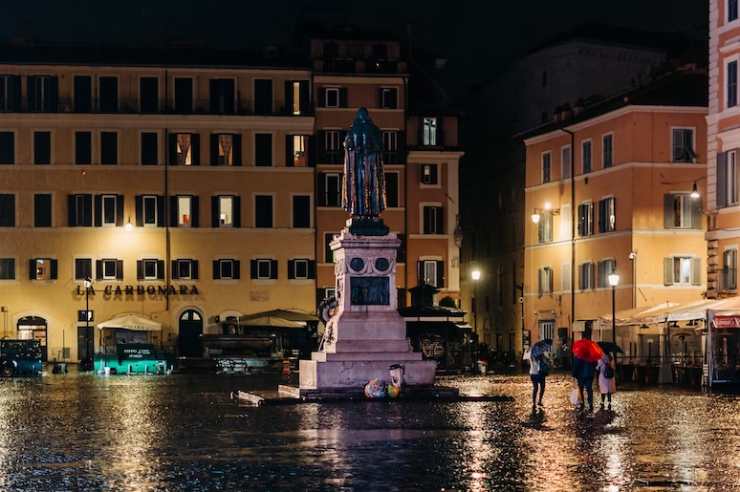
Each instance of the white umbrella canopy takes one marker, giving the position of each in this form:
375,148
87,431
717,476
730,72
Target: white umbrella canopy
131,321
272,322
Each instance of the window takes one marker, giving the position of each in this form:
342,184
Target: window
108,94
565,277
585,219
545,281
225,211
109,269
80,210
7,210
108,203
297,95
149,269
43,91
391,190
730,178
149,150
149,94
298,269
263,149
331,97
330,189
297,150
731,81
332,153
222,96
227,269
183,95
566,230
389,98
42,147
301,211
607,150
732,10
82,93
546,165
328,253
108,148
682,142
433,221
42,210
149,211
607,215
565,163
263,211
10,93
7,269
429,174
184,153
185,269
586,276
42,269
391,155
263,96
681,270
184,211
265,270
729,269
429,131
7,148
226,150
544,227
83,268
586,156
681,211
606,268
83,148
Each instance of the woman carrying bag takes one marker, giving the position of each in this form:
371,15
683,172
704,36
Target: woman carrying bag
607,381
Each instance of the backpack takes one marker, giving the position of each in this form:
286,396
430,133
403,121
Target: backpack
544,365
608,371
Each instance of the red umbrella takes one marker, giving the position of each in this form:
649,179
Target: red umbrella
587,350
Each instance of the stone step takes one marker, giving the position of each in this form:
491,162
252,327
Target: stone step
398,357
374,346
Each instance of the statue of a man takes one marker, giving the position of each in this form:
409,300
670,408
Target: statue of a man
363,190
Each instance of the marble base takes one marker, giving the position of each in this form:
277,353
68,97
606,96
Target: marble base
317,374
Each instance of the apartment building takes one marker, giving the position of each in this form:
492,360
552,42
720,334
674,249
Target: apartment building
639,181
186,193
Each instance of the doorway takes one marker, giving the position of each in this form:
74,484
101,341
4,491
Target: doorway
34,328
189,343
84,343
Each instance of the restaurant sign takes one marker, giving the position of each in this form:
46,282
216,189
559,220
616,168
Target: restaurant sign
726,322
140,290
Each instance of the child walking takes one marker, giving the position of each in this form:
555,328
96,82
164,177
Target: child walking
607,381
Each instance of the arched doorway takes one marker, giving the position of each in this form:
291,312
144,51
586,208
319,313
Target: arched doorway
189,343
34,328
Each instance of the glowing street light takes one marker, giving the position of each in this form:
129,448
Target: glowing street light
475,275
536,218
614,281
695,192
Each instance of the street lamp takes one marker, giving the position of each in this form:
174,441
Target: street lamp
475,275
536,218
695,192
90,343
614,281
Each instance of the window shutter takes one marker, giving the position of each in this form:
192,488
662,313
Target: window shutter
195,210
440,130
216,270
380,97
539,282
322,97
175,272
195,152
668,271
71,211
253,269
53,93
550,278
214,149
440,225
237,211
119,210
289,97
173,211
237,150
160,211
194,269
172,149
139,270
215,212
343,100
160,269
98,269
119,269
98,210
696,214
419,272
614,208
139,212
695,271
305,95
440,274
32,269
236,269
321,189
320,295
668,216
721,179
291,269
311,151
311,268
289,150
402,146
273,269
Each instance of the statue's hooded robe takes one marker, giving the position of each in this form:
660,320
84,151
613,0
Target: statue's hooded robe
363,188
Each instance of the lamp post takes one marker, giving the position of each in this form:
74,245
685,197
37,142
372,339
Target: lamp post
614,281
475,276
90,342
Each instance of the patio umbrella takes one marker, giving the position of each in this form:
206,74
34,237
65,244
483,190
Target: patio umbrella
611,348
273,322
541,347
587,350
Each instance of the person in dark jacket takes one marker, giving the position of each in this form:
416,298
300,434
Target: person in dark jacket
584,373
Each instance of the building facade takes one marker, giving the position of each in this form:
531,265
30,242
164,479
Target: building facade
638,212
185,193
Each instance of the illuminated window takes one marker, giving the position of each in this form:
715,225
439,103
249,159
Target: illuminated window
184,211
226,211
295,89
225,150
184,149
43,269
429,131
299,153
429,174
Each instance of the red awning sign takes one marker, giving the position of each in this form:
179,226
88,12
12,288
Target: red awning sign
726,322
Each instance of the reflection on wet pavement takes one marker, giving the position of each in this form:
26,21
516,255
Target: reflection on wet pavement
82,432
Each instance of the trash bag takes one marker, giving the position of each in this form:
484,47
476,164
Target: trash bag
375,388
575,397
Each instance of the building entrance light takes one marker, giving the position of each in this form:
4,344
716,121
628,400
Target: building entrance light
613,279
536,218
695,192
475,275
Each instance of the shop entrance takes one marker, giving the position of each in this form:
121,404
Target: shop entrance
84,343
34,328
189,343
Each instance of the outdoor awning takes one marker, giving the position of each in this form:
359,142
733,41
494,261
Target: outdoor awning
286,314
272,322
131,321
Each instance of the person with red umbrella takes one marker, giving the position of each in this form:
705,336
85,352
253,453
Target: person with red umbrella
586,353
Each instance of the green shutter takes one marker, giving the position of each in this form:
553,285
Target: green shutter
668,271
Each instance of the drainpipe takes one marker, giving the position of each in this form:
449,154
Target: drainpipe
572,232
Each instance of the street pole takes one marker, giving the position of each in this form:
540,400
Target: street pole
614,314
90,336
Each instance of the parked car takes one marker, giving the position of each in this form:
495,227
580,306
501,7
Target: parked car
20,358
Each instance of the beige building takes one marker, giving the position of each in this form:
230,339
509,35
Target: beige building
638,158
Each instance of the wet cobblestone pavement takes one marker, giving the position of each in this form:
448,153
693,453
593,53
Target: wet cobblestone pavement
82,432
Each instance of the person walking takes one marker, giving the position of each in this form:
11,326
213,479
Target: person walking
539,368
607,381
584,370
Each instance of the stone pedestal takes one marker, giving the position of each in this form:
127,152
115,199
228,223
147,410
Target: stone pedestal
367,333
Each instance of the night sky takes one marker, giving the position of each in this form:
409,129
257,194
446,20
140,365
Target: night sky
477,37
